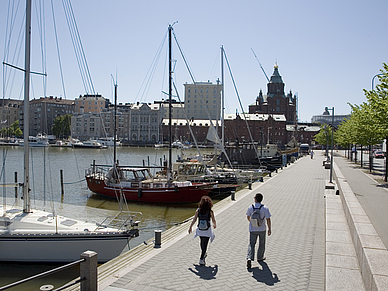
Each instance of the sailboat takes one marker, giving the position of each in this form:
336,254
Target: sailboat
137,184
30,235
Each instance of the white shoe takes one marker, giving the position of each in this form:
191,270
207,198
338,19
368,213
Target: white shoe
202,262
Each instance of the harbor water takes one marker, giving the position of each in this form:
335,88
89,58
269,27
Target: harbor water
77,201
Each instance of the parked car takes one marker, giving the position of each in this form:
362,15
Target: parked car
378,155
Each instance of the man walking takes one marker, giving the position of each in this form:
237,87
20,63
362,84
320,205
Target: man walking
257,231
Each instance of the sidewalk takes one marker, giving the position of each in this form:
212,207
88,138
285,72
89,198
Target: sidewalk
295,251
311,246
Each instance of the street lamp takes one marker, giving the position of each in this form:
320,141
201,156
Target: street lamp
373,79
332,145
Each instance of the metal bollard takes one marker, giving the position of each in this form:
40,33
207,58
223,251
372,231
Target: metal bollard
233,195
250,185
88,270
158,238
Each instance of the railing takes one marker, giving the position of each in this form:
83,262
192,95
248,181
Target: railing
88,274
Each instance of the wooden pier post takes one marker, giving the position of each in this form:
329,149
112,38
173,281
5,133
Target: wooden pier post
16,184
62,190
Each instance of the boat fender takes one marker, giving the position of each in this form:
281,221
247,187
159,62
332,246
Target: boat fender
139,193
176,188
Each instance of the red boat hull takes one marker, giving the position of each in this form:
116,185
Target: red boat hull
184,194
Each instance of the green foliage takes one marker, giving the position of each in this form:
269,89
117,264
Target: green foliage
61,126
323,137
368,122
13,130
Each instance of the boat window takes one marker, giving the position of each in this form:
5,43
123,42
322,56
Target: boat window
158,185
129,175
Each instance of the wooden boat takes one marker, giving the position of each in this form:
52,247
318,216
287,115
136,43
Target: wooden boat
137,184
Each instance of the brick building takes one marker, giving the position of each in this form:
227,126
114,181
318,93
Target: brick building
276,101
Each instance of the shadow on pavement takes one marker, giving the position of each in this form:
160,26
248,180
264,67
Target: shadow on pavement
264,274
205,272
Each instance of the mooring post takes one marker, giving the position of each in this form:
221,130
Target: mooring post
16,184
88,271
158,238
62,190
233,195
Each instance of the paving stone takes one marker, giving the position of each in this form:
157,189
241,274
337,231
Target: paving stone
295,251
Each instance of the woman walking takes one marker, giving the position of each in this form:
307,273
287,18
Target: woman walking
204,230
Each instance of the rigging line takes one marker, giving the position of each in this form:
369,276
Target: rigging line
58,53
17,52
214,65
152,67
76,48
183,56
260,65
11,16
41,28
206,110
188,123
81,47
74,45
242,109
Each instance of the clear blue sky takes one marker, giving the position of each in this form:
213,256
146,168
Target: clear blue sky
327,51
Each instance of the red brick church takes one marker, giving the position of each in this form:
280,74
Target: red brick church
276,101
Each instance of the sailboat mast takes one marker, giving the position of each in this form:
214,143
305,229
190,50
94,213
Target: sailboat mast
222,98
169,174
26,194
115,128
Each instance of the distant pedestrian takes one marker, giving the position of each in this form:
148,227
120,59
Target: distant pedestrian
204,229
257,231
312,154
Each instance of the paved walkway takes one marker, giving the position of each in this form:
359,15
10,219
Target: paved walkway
295,251
372,194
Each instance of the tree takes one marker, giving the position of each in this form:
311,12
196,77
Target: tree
323,137
16,129
378,100
61,126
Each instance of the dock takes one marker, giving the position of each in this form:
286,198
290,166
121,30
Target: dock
321,240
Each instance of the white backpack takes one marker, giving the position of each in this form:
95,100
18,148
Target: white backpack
256,219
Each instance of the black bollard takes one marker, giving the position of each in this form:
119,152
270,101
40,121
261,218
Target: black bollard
158,238
232,195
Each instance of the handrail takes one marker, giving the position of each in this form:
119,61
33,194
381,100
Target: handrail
88,273
44,274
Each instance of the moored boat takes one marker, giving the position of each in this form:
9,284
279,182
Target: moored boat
137,184
89,144
31,235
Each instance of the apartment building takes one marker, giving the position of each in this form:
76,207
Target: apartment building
203,100
43,112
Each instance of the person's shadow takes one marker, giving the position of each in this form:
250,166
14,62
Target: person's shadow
264,274
205,272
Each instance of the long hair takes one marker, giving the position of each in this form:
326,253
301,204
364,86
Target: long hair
205,204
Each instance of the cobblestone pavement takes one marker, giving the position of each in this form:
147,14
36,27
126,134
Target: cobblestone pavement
295,251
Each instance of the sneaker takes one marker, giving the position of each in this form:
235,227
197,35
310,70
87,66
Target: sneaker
202,262
249,264
261,259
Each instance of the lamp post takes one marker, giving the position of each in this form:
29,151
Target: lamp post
332,145
373,79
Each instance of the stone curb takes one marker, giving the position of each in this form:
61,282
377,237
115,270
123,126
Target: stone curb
370,250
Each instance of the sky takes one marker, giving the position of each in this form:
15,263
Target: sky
327,51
